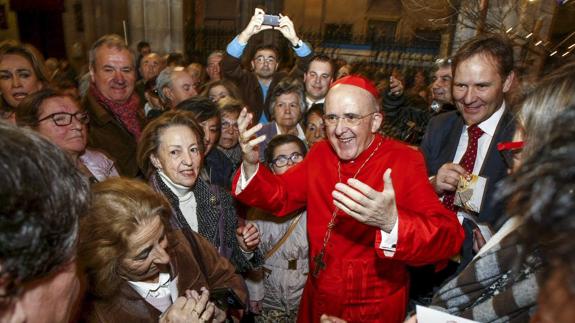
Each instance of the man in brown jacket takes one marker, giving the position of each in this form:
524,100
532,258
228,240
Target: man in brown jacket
256,85
116,117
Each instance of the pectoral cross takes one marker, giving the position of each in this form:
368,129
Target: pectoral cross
319,263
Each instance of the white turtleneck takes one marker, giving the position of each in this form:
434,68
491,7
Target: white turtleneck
187,200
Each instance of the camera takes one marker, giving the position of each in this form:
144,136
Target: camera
271,20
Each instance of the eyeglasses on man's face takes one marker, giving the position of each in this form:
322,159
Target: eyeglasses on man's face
262,59
283,160
348,119
62,119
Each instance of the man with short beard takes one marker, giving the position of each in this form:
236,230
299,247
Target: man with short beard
257,85
116,116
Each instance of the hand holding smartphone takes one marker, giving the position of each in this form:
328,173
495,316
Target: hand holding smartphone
225,298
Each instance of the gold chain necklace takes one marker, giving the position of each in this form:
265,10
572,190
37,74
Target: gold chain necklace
318,259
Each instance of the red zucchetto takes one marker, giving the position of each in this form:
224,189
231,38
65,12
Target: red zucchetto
359,81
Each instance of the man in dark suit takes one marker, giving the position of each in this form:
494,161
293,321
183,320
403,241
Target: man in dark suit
460,143
257,84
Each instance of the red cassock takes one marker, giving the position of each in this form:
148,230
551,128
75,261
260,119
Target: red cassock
360,283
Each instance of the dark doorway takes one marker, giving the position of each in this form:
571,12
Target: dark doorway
40,24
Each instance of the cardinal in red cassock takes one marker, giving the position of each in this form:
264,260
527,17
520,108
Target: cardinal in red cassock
371,210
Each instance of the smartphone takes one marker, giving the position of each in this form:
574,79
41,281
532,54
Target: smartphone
271,20
225,298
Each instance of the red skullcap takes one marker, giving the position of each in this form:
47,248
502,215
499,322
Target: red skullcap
359,81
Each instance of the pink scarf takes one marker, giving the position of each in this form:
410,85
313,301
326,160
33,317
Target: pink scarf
126,113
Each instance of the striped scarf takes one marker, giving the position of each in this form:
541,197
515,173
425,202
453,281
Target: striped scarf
495,287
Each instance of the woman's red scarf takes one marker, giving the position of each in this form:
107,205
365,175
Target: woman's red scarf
126,113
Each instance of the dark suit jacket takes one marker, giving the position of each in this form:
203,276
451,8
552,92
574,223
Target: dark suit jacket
440,144
108,134
195,267
249,86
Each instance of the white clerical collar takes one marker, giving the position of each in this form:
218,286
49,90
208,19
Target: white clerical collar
183,193
490,125
159,289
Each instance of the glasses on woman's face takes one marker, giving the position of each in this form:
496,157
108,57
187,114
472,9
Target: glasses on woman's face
227,125
510,151
283,160
62,119
348,119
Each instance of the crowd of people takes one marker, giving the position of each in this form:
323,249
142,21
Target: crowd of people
155,189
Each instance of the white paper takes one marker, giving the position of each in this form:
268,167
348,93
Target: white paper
429,315
469,193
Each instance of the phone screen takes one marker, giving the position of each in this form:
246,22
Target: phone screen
271,20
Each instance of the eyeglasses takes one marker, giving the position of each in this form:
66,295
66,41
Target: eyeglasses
62,119
443,61
261,59
226,125
348,119
510,151
283,160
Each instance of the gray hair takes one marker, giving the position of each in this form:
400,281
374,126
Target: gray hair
110,41
214,54
163,80
285,86
39,222
441,63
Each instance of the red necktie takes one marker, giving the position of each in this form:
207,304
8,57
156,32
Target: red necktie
467,161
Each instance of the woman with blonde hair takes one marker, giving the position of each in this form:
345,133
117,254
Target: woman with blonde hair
22,73
138,268
217,90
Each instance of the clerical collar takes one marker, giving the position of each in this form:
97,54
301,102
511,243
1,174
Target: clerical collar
365,154
183,193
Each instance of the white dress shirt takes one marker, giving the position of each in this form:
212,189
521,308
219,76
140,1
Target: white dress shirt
164,287
311,102
489,127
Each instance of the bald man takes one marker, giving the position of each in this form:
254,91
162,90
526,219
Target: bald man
371,210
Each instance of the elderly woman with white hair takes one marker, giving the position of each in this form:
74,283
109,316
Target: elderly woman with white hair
286,108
